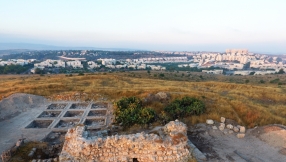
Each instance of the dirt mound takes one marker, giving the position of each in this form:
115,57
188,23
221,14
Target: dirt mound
17,103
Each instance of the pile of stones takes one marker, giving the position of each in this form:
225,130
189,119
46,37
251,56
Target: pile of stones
228,128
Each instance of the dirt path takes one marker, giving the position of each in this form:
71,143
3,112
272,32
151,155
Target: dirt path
257,146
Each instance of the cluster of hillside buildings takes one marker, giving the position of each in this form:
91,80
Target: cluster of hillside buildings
235,60
16,62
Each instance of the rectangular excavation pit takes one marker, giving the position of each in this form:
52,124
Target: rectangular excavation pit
94,122
99,105
79,106
97,113
40,124
67,123
56,106
49,114
75,114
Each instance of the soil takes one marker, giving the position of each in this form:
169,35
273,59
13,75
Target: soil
17,103
260,144
16,112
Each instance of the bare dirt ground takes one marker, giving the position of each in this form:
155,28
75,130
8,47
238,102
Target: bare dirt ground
17,111
261,144
18,103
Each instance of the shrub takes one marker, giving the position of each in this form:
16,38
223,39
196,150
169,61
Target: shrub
262,81
275,80
129,111
185,107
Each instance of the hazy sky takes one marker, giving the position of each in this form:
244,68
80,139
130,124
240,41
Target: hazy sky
259,25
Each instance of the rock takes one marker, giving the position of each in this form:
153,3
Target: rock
19,142
230,131
229,126
222,119
221,126
209,121
214,127
242,129
240,135
225,132
235,129
31,154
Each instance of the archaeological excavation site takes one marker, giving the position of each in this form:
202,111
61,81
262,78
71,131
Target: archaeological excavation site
41,130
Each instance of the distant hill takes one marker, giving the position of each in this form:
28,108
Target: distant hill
13,51
29,46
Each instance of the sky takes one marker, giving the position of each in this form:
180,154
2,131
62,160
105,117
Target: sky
178,25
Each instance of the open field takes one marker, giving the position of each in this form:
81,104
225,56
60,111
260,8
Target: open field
241,98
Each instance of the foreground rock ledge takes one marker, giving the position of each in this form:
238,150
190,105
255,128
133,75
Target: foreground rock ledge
170,146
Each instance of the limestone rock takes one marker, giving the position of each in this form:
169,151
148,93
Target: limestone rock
242,129
210,121
235,129
229,126
240,135
221,126
222,119
214,127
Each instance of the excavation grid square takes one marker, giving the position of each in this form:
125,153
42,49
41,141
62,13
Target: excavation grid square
99,105
97,113
79,106
49,114
94,122
76,114
67,123
40,124
55,106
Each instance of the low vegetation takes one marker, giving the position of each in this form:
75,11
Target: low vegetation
260,101
184,107
130,111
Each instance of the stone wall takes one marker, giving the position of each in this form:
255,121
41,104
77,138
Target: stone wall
168,144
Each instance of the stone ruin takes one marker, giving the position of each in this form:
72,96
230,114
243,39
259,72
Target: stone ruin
169,144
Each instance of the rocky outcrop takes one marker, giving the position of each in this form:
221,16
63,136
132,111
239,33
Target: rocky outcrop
170,146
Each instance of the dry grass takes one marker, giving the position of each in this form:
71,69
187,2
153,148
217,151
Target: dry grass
250,104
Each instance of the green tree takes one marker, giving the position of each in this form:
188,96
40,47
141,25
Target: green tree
281,71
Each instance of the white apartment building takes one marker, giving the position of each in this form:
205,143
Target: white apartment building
107,61
92,65
75,64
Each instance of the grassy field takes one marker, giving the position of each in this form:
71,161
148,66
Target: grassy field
246,99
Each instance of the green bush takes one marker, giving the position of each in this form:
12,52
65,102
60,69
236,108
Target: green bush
185,107
129,111
275,80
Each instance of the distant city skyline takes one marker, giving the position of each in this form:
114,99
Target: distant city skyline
257,25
